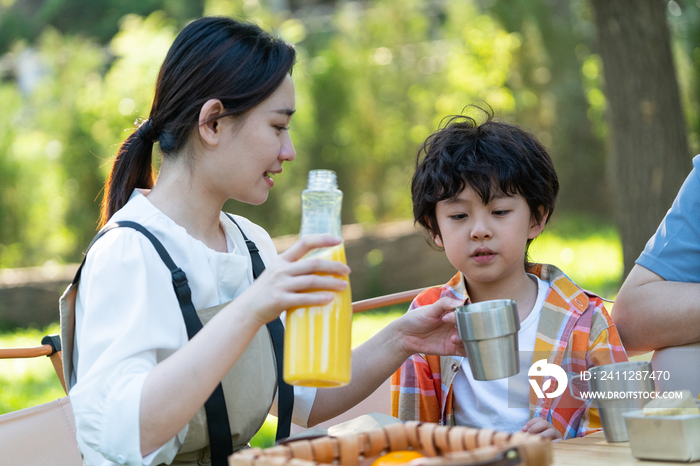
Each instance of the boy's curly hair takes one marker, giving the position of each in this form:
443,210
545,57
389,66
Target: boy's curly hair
492,158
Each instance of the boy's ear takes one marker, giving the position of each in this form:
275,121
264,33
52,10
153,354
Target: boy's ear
210,131
433,236
436,238
537,227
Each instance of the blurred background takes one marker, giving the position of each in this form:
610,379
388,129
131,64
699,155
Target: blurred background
373,79
610,88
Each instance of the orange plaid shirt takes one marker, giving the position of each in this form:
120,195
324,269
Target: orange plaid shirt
575,332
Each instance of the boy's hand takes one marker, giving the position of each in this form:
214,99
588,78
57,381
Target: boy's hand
540,426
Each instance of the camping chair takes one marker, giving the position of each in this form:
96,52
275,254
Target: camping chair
45,434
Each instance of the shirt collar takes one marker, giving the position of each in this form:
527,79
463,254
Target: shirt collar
563,287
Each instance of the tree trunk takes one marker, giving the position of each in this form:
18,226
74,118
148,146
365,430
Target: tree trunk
649,157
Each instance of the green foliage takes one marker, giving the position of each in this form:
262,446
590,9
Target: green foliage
59,137
48,187
372,83
377,59
97,19
373,80
684,23
553,98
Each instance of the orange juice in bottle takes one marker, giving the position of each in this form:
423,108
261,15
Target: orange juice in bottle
317,338
317,348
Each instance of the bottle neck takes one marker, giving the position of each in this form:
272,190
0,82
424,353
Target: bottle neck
321,212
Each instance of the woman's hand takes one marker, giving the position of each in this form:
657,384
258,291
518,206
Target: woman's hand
431,329
290,281
177,386
538,425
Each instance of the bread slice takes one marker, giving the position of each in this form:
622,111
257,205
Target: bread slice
672,406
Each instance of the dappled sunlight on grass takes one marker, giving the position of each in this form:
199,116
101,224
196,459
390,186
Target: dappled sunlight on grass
588,252
266,435
594,264
367,324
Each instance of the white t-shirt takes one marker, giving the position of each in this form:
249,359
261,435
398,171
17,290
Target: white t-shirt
123,330
483,404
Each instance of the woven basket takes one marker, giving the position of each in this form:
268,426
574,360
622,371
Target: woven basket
441,445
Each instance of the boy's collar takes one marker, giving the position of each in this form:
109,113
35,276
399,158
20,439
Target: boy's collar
562,284
558,282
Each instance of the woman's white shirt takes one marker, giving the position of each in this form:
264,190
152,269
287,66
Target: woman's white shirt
128,320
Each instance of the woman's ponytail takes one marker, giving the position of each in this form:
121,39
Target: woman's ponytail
132,168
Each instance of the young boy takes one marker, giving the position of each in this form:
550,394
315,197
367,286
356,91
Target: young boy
484,192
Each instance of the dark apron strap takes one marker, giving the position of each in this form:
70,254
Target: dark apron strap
285,399
215,407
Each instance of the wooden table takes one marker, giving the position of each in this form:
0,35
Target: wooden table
595,450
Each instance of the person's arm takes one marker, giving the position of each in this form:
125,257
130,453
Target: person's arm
430,329
651,313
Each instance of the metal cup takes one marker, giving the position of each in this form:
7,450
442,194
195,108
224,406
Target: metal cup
489,332
620,388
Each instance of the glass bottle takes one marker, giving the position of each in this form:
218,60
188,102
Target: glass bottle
317,338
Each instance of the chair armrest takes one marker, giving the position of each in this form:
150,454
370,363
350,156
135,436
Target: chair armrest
51,347
386,300
32,352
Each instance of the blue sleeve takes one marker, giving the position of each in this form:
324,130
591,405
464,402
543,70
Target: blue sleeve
674,250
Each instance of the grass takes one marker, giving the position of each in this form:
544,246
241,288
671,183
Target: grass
588,250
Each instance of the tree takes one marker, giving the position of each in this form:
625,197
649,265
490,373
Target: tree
97,19
649,157
549,88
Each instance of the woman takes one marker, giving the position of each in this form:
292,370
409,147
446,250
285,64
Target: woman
223,102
